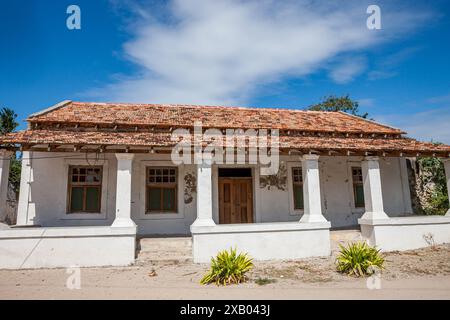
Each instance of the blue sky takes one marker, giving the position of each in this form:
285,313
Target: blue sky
228,52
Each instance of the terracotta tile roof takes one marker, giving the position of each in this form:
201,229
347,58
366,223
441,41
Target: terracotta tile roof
310,130
158,139
210,116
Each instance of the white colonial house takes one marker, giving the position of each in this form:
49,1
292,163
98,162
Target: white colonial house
97,175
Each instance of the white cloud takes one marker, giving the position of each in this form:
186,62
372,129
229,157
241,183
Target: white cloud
348,69
366,102
380,75
430,125
221,51
439,99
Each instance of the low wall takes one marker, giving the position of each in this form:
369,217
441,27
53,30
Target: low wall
406,233
27,248
262,241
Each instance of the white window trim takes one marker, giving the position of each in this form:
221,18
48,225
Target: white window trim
102,215
289,166
351,164
143,186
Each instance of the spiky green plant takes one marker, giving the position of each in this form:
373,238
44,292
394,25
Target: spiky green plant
228,267
359,259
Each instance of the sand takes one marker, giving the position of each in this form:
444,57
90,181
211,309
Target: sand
417,274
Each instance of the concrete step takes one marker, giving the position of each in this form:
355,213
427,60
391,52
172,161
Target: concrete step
164,249
169,243
344,237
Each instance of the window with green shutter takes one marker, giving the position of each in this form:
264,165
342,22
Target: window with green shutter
358,187
297,181
85,189
161,190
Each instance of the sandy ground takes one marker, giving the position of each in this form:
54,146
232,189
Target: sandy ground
418,274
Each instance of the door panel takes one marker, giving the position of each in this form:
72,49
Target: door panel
235,200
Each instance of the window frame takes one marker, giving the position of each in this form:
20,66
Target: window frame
290,187
84,185
294,183
162,185
353,187
63,171
141,173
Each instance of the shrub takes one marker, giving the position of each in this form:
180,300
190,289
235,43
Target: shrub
432,186
228,267
264,281
359,259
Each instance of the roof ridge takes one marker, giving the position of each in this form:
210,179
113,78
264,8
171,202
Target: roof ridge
281,118
175,105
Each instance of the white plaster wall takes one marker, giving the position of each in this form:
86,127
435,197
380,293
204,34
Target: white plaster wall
265,241
47,203
392,180
160,223
65,247
406,233
337,195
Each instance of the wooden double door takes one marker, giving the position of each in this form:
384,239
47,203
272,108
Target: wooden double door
235,200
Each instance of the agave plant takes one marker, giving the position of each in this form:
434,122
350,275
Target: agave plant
359,259
228,267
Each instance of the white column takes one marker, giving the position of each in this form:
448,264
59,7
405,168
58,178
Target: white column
5,160
24,214
311,190
123,190
204,195
373,196
447,175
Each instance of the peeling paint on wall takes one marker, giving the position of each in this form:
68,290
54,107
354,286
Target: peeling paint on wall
279,180
190,187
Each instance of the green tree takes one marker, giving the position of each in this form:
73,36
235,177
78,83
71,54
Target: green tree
334,103
8,121
432,174
8,124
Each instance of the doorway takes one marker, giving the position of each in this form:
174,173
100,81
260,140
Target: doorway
235,195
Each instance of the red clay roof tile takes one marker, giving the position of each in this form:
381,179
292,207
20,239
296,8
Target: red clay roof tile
210,116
